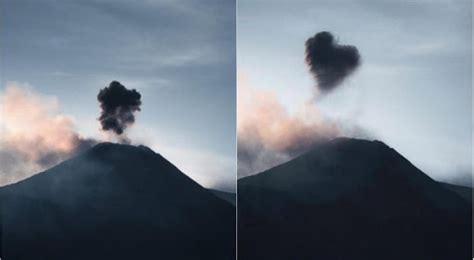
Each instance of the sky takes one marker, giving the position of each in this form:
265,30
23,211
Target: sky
412,90
180,55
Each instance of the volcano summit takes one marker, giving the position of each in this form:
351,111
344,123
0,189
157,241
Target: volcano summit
115,201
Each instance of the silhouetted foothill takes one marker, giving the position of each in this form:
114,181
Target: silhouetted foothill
330,62
118,105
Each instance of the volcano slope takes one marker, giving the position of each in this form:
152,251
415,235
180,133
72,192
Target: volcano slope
351,199
115,202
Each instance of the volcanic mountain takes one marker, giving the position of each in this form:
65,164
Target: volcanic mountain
351,199
115,202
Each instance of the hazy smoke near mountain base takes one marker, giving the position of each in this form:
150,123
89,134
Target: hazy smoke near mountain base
118,106
330,62
33,134
267,134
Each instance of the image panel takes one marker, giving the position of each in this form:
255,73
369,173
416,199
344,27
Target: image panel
117,129
354,129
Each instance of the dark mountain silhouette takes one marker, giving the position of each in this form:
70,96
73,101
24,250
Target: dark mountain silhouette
351,199
464,192
115,202
227,196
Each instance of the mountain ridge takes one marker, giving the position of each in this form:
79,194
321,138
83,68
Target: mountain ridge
351,198
118,201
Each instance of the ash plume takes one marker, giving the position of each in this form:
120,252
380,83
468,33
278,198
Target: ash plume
268,134
329,62
34,136
118,106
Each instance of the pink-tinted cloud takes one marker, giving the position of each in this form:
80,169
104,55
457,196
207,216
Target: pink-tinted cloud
33,134
268,134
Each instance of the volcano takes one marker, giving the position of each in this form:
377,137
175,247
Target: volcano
115,202
351,199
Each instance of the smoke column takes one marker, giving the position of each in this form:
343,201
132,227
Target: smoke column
330,62
118,106
33,135
268,135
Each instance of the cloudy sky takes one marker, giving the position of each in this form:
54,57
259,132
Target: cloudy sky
180,55
413,90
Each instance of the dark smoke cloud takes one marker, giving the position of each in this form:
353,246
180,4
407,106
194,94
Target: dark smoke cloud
330,62
118,107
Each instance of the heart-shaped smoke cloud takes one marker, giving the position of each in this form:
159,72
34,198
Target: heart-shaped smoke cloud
330,62
269,135
118,105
